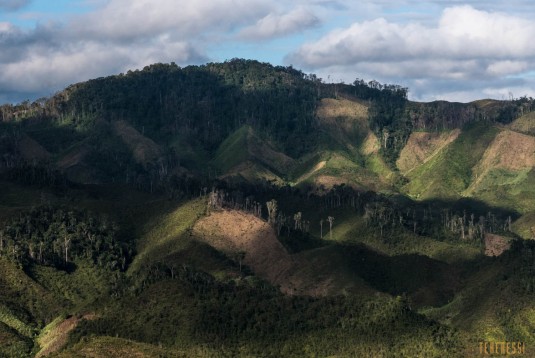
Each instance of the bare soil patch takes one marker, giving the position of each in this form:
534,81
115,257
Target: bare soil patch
371,144
495,245
509,150
331,108
57,338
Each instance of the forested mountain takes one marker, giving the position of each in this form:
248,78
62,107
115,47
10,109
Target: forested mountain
245,209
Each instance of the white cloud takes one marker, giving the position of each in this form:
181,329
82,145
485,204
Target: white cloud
42,69
277,25
134,19
463,33
508,67
117,36
465,45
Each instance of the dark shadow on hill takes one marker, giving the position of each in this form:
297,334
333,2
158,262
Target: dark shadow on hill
428,282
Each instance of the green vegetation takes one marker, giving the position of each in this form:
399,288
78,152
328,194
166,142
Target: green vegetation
525,124
233,151
55,237
106,186
508,189
242,320
449,173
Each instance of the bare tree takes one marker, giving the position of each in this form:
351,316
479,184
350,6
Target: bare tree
272,211
297,219
331,220
67,245
239,256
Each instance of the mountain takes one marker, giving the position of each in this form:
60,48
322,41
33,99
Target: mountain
244,209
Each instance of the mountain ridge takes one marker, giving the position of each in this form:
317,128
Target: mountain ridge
164,198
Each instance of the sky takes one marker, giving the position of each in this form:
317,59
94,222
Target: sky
441,50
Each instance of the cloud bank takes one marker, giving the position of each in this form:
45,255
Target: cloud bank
127,34
277,25
466,45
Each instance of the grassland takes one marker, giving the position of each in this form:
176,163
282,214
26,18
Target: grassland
450,171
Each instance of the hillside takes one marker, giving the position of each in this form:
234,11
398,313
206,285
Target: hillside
245,209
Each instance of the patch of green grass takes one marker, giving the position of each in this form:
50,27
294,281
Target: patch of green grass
376,164
525,124
13,344
167,232
22,293
449,172
233,151
79,288
508,189
48,334
351,228
523,226
10,319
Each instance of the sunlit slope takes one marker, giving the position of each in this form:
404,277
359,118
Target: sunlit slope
524,124
421,147
244,154
165,238
449,172
341,266
497,301
348,151
25,306
505,176
490,163
525,226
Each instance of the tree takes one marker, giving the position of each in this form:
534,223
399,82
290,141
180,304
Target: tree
331,220
321,228
297,219
239,256
272,211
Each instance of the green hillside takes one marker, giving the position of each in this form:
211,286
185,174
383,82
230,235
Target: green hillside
450,171
241,209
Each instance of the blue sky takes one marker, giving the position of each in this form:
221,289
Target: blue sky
447,50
